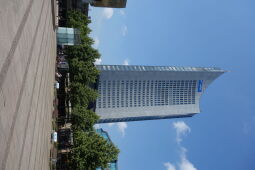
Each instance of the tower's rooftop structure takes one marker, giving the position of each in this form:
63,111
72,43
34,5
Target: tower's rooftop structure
155,68
131,93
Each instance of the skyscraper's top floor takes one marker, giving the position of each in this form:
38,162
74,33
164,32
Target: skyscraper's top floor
156,68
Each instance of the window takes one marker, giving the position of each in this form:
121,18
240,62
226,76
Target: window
141,93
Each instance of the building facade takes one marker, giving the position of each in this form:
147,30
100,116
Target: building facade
108,3
68,36
111,165
132,93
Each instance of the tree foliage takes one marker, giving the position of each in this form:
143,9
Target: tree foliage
82,57
91,151
83,119
82,52
82,72
77,20
81,95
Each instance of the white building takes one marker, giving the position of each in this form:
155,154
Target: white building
131,93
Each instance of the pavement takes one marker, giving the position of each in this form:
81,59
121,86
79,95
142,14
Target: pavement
27,69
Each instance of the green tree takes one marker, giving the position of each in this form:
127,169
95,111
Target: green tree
82,72
82,52
81,95
83,119
81,57
91,151
76,19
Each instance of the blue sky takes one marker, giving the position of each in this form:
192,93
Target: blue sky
186,33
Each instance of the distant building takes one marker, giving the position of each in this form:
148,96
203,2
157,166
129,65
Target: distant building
109,3
111,165
132,93
65,5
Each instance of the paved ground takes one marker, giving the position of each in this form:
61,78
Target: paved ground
27,56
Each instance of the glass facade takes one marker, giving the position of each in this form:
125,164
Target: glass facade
68,36
111,165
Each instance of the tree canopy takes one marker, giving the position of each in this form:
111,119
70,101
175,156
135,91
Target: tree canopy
91,151
81,94
83,52
77,20
82,72
83,119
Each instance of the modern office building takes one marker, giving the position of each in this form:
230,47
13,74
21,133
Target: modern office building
111,165
131,93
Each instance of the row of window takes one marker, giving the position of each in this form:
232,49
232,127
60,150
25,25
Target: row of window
153,68
135,93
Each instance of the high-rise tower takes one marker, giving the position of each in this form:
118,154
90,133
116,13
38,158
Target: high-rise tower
130,93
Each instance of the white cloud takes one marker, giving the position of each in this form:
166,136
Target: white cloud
98,61
122,127
107,13
124,30
96,42
110,124
97,126
169,166
184,164
122,12
126,62
181,129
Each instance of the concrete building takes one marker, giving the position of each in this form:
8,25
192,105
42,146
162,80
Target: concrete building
131,93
